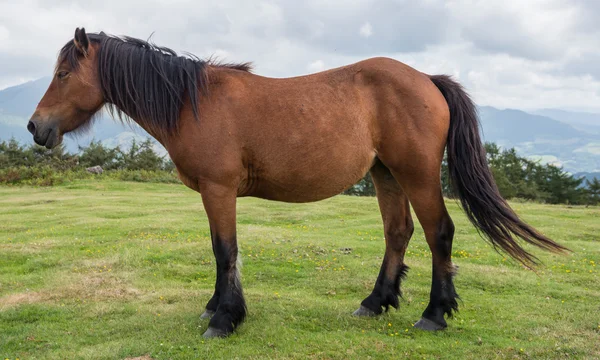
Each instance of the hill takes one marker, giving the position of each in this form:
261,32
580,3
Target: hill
543,138
588,176
18,103
574,118
22,99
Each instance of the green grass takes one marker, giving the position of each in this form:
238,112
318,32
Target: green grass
110,270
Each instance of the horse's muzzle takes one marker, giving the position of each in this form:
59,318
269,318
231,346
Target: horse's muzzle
44,134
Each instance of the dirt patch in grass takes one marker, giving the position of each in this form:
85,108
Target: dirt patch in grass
145,357
94,287
23,201
17,299
27,248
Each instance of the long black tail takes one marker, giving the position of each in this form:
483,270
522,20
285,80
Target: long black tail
474,184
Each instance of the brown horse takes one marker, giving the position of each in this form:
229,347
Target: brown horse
232,133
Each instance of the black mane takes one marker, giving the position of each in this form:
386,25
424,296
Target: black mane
147,82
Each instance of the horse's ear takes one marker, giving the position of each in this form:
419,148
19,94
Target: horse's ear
81,41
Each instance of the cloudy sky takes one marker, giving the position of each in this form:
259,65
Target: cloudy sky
508,53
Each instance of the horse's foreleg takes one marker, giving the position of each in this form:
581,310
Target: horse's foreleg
213,303
398,228
227,306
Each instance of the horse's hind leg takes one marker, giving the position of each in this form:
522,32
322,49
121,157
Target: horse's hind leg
398,228
423,188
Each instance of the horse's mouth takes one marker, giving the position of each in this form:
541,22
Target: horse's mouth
50,138
53,141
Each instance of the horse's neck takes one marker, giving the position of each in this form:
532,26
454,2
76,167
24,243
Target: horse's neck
144,125
155,134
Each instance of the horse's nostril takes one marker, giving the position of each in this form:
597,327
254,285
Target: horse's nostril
31,127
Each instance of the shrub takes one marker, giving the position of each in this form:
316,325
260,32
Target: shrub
42,175
156,176
96,154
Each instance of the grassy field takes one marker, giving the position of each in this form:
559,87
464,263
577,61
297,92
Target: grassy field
113,270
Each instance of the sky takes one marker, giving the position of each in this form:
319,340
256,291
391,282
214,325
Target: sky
508,53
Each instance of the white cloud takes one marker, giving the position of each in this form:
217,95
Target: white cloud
366,30
508,53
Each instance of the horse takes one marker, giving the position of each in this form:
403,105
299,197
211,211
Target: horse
231,133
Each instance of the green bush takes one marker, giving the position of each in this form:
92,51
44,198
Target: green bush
156,176
42,175
38,166
47,176
364,187
96,154
517,178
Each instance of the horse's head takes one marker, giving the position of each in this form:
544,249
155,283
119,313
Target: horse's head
74,95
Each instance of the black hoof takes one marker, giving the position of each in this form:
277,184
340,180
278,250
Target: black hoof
207,314
363,311
215,333
428,325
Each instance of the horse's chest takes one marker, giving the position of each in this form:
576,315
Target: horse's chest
188,181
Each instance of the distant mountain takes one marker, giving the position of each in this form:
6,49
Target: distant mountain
588,176
18,103
126,138
542,138
571,117
517,126
580,120
565,138
11,126
22,99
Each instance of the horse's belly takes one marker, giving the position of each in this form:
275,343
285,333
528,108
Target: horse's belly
314,180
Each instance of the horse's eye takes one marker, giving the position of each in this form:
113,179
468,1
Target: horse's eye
62,74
